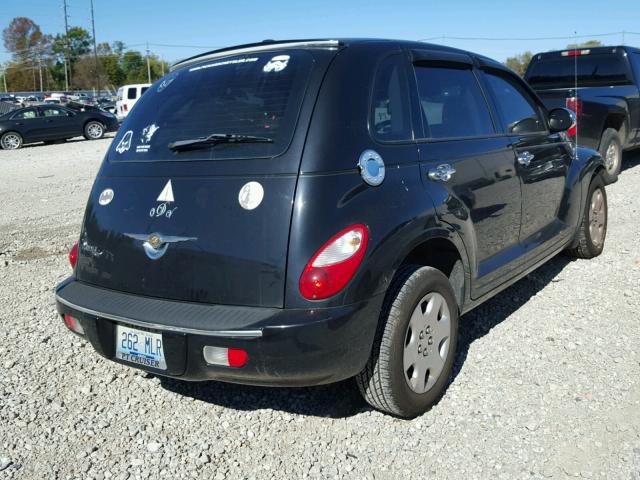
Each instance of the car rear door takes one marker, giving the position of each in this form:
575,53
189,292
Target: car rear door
543,158
468,168
27,123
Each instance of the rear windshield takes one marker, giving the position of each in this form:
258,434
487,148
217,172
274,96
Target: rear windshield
257,94
592,70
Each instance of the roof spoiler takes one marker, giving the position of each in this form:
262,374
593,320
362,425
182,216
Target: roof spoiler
257,47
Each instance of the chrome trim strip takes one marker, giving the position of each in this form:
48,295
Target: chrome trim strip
257,48
246,334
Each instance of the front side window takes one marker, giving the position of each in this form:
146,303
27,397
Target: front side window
515,107
31,113
131,93
452,103
257,95
390,120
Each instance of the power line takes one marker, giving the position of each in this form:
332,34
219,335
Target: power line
508,39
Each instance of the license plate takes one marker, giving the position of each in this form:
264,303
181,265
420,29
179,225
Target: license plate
140,347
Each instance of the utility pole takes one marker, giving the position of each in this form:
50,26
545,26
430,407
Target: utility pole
4,79
148,65
40,70
67,76
95,49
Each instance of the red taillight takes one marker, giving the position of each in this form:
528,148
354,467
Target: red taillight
576,53
73,255
334,265
574,104
125,107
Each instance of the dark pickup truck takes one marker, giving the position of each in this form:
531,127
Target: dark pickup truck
601,85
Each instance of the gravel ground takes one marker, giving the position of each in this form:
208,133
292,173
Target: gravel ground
546,384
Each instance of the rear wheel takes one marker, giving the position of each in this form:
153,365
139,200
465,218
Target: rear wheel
611,151
415,346
93,130
593,227
11,141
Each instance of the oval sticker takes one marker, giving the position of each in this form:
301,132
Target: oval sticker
105,197
250,195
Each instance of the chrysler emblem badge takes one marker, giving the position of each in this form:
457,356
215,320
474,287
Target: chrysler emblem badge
154,240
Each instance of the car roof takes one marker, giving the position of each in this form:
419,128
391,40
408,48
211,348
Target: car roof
328,43
592,50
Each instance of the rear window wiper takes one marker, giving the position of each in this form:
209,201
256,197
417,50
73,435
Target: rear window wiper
215,139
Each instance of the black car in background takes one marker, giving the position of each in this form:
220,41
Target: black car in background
298,213
602,86
48,123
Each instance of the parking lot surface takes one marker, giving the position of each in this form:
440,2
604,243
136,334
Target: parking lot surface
546,382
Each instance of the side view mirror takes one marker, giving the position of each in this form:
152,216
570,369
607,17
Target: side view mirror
561,119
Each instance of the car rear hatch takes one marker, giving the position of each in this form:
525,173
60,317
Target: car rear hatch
207,221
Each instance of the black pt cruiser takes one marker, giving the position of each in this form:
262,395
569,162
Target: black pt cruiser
302,212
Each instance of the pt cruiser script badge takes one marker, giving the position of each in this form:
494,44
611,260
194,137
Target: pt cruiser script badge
156,244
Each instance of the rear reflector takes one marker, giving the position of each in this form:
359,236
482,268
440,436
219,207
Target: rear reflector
227,357
73,324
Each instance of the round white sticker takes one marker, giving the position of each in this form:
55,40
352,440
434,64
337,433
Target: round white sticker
105,197
250,195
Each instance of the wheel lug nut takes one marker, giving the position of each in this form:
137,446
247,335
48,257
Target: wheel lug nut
421,335
430,341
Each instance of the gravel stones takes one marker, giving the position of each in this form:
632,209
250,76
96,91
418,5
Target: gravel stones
546,382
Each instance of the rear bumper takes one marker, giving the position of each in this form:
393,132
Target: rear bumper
285,347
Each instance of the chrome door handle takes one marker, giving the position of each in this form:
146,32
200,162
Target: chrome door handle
524,158
442,173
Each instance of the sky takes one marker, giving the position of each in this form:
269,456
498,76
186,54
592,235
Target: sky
176,29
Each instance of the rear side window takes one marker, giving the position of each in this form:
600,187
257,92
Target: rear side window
588,70
516,108
131,93
53,112
143,89
452,103
390,117
256,94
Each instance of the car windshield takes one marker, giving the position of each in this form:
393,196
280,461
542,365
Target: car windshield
257,95
591,70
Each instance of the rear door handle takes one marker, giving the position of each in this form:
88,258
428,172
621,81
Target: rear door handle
524,158
442,173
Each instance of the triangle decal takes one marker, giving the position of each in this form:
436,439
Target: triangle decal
166,195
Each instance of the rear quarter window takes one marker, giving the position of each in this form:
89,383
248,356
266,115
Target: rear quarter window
257,94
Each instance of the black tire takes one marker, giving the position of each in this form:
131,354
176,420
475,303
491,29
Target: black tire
611,140
11,141
589,242
93,130
382,383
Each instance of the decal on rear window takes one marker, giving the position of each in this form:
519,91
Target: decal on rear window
276,64
125,142
226,62
145,138
166,81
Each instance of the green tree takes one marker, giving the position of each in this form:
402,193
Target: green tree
113,71
519,63
587,44
134,67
